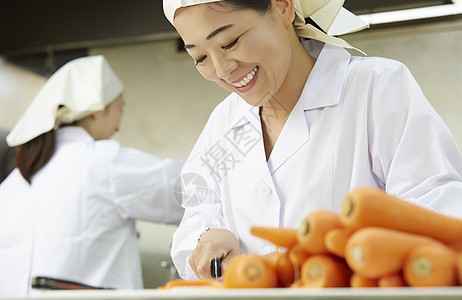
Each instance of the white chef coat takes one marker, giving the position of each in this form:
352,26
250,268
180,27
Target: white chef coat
359,122
76,221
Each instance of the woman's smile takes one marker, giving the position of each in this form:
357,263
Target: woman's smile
247,81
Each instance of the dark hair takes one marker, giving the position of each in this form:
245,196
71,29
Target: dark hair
33,155
258,5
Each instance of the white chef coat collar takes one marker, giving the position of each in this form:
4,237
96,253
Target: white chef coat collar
72,133
245,114
324,85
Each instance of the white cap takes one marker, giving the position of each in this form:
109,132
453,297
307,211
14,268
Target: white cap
327,14
82,86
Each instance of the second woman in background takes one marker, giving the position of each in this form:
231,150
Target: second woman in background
68,210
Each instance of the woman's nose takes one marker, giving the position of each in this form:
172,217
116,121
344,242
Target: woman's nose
224,67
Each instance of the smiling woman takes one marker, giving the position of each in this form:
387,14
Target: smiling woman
305,123
242,42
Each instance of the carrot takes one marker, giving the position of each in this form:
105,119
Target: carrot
323,270
336,239
431,265
394,280
287,264
367,206
375,252
457,246
358,281
185,283
271,258
285,270
298,255
282,237
313,229
249,271
459,267
297,284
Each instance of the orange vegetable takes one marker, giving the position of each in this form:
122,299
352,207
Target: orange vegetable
285,270
323,271
459,267
457,246
297,284
249,271
272,258
185,283
376,252
282,237
367,206
394,280
287,264
281,264
297,256
313,229
358,281
336,239
431,265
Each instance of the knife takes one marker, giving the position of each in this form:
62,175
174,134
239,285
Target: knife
216,267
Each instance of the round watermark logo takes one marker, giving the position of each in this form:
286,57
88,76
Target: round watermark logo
190,189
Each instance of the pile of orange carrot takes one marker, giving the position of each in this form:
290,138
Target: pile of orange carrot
377,240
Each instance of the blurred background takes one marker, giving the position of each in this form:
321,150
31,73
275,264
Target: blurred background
167,101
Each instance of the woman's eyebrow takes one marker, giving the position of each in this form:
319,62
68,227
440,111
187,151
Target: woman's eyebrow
213,34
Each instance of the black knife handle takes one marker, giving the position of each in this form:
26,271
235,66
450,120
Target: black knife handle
216,267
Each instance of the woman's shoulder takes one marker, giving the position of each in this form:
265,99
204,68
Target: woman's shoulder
225,112
228,106
375,66
106,150
13,179
219,124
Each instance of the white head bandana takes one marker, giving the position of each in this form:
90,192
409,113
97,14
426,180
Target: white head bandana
327,14
82,86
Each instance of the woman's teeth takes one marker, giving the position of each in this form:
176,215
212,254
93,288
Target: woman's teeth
246,79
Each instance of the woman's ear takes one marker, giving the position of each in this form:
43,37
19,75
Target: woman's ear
92,116
286,9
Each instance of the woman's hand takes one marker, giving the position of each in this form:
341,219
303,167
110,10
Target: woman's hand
214,243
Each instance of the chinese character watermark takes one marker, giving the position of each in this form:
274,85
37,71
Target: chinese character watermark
244,137
219,160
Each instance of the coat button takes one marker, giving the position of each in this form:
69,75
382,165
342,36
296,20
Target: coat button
264,190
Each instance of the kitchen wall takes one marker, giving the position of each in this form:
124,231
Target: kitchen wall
17,88
168,102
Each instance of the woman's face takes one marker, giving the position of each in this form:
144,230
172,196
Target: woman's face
243,51
109,119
